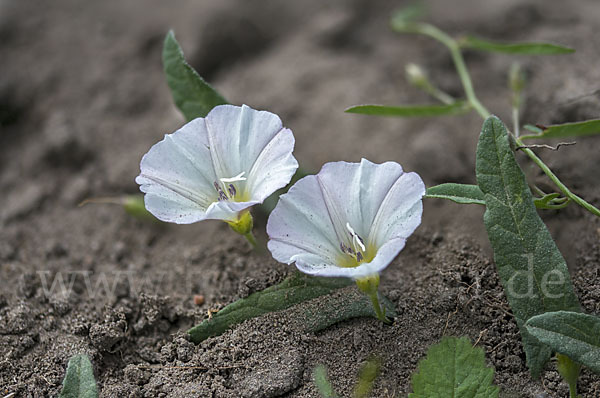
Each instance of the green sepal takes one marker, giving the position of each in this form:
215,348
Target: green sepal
244,223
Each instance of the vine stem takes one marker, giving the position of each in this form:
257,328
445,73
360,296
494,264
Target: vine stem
465,78
515,115
563,188
459,62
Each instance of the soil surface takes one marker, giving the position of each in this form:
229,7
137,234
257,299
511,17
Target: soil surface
83,97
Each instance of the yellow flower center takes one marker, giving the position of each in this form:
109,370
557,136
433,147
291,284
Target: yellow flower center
355,253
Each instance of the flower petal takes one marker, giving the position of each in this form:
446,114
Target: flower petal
274,167
300,224
399,213
177,175
255,142
227,210
359,189
378,201
385,255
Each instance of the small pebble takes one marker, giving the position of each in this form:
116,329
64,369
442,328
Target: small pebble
198,299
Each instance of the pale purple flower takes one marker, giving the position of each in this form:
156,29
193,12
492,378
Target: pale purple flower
218,166
350,220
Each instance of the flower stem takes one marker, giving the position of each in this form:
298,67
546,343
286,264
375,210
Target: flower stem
515,117
457,58
369,285
379,310
463,73
250,238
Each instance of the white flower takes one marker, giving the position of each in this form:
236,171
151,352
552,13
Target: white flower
351,219
218,166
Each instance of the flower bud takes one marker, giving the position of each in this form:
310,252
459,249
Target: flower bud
415,75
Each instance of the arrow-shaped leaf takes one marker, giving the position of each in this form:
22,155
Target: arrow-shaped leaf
532,270
573,334
193,96
293,290
575,129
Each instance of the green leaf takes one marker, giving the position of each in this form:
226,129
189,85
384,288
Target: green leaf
551,201
576,129
459,193
366,377
455,108
454,368
322,382
515,48
293,290
410,13
533,129
340,306
573,334
533,272
79,381
192,95
569,370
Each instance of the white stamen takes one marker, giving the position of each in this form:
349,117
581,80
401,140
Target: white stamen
234,179
356,241
350,229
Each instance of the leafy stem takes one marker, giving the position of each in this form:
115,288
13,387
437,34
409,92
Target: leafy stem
459,62
563,188
461,68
